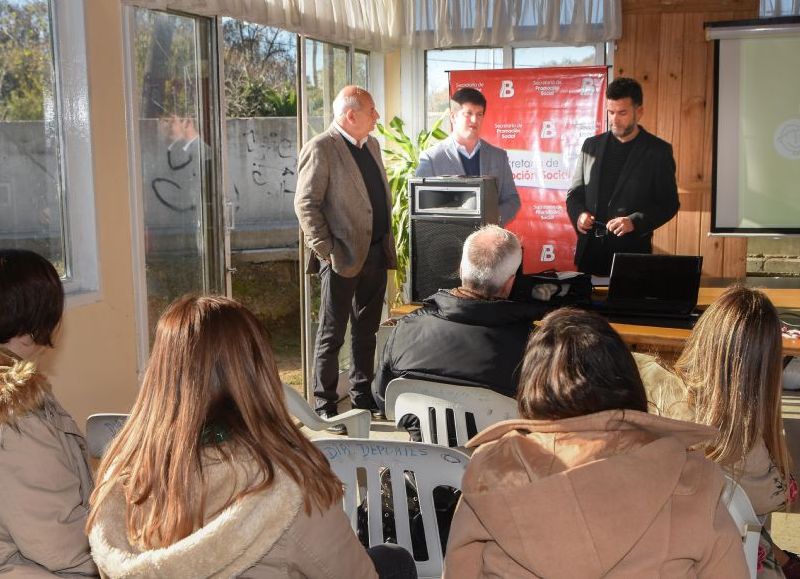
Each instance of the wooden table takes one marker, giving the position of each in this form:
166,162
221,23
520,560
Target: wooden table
655,338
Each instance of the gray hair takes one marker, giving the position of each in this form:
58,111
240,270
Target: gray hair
343,103
490,256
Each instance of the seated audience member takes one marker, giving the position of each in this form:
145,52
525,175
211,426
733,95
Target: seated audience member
45,481
587,483
471,335
210,477
729,376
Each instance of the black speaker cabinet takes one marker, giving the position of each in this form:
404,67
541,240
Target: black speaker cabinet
444,211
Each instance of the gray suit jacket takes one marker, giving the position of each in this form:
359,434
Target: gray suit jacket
333,206
443,159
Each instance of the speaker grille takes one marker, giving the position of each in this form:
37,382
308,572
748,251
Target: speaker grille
436,254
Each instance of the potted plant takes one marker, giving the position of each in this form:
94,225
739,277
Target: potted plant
401,158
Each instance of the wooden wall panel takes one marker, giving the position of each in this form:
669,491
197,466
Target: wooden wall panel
687,222
663,46
689,149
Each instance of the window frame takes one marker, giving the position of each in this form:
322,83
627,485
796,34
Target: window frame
82,280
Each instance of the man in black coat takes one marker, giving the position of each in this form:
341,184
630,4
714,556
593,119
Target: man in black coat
472,335
624,184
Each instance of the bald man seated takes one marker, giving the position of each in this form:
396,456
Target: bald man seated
471,335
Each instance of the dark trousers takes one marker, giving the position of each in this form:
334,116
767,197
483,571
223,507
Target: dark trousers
358,299
392,562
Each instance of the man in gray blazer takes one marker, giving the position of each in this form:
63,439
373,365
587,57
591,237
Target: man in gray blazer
465,153
343,204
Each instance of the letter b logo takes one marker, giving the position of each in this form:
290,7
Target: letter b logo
548,129
548,253
506,89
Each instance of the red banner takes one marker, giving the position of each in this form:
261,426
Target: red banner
541,116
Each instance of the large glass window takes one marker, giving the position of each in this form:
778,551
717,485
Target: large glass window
326,74
437,80
539,56
31,187
361,68
173,107
46,190
261,130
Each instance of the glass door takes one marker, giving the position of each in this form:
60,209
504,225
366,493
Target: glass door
174,116
260,80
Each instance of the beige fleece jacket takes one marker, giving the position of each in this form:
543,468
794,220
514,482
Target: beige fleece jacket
264,535
613,494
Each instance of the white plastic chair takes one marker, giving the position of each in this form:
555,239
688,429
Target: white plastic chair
431,466
357,421
443,409
747,522
100,430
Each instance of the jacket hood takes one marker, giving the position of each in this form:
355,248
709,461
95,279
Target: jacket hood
22,388
483,312
606,477
228,544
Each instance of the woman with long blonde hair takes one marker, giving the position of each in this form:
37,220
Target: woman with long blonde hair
729,376
210,477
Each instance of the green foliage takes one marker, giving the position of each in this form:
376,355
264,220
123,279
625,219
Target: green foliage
260,70
254,98
25,60
401,160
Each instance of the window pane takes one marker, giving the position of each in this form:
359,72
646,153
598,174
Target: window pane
437,65
31,207
261,129
540,56
361,69
171,71
326,75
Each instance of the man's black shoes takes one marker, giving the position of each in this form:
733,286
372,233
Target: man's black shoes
333,428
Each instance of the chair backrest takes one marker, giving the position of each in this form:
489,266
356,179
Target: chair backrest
100,430
747,522
449,415
362,463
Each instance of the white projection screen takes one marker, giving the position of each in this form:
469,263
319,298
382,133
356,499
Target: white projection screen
756,173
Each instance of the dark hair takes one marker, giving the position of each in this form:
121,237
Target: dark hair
624,87
576,364
31,296
469,95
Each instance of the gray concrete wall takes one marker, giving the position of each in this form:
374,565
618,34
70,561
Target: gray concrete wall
767,256
29,188
261,163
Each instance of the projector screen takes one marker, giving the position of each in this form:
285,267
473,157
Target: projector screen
756,173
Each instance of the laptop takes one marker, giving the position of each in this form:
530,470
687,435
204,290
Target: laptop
655,286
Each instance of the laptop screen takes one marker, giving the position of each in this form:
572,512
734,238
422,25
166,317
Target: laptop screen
645,282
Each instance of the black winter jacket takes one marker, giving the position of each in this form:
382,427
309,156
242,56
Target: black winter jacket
459,341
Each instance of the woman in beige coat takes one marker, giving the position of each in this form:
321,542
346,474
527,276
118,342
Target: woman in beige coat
587,484
45,480
210,477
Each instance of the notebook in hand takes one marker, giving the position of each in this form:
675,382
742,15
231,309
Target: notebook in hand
654,285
